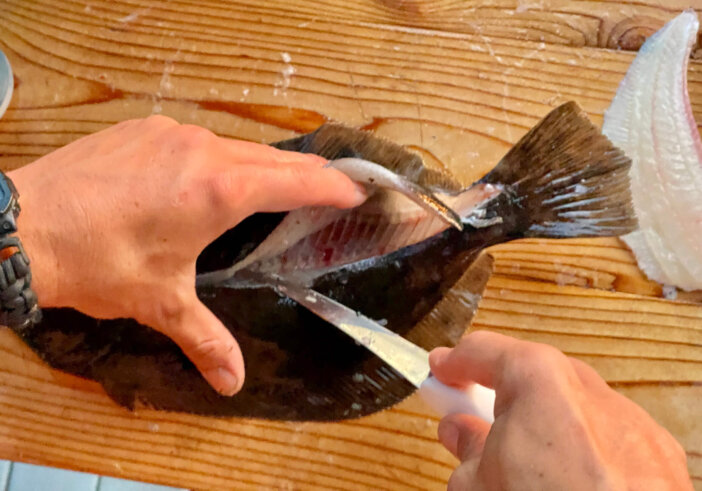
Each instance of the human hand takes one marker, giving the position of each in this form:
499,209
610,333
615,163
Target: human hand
558,425
114,222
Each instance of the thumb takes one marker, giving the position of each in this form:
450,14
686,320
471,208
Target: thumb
208,344
463,435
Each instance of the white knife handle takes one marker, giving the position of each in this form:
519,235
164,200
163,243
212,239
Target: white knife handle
476,400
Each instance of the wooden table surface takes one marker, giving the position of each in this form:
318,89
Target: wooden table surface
459,81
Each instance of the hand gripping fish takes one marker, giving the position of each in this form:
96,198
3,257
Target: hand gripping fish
410,264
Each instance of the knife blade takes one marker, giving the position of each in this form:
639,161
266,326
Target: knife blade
408,359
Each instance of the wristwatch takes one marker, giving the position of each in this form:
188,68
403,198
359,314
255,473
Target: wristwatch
18,303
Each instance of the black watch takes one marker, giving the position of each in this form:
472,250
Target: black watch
18,303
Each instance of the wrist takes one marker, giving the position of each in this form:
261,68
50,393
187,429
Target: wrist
35,240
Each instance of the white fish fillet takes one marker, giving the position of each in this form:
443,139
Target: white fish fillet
651,120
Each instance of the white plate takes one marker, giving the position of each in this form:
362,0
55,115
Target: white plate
6,83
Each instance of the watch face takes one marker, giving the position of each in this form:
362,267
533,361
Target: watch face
5,195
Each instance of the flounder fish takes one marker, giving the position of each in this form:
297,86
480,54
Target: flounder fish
390,258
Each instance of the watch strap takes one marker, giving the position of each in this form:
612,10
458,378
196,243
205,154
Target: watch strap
18,303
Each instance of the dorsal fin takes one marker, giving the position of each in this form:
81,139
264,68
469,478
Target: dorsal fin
335,141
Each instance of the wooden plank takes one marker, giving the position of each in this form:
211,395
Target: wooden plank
609,24
457,81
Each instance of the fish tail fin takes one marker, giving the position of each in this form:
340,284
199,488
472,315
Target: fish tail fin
564,178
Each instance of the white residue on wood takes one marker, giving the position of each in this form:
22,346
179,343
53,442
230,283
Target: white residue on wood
129,18
286,74
133,16
165,86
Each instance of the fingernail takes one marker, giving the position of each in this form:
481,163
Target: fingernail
448,435
437,355
224,381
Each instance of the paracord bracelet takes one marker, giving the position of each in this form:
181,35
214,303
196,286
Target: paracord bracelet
18,303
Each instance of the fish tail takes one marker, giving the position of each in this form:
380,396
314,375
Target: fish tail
564,178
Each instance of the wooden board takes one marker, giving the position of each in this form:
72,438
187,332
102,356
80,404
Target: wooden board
459,81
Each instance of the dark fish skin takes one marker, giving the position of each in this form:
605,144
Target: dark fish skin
563,179
302,369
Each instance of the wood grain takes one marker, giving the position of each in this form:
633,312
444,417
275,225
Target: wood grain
610,24
459,82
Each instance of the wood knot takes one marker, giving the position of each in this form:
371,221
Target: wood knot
408,7
630,34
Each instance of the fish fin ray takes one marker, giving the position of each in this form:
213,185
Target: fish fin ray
564,178
450,318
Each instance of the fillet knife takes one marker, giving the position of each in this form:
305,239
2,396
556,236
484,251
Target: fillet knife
408,359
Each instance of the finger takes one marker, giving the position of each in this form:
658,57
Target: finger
260,154
463,435
515,369
208,344
283,188
477,358
281,180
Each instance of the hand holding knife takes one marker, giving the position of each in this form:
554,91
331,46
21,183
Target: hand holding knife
408,359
